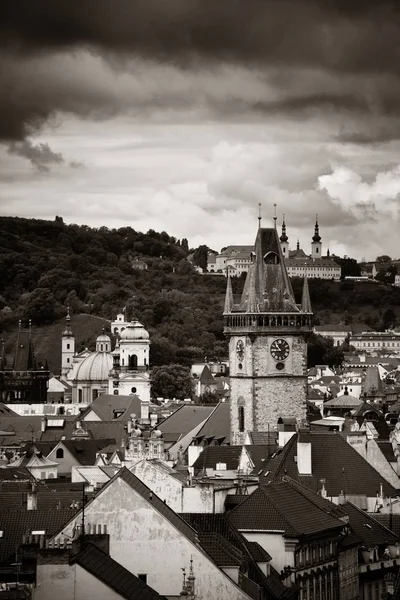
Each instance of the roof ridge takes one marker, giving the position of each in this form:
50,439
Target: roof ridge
292,527
296,485
283,455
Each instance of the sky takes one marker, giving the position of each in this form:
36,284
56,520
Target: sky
184,115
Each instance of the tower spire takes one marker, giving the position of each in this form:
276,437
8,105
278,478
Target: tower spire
316,236
259,215
305,299
298,244
228,296
275,217
284,237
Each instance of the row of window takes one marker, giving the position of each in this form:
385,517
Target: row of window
314,553
376,344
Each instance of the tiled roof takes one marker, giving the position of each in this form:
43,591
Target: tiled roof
106,405
24,358
259,454
391,522
98,430
217,425
50,494
369,529
333,460
184,420
211,455
17,523
345,401
15,474
21,428
220,550
114,575
373,381
262,438
84,451
206,377
258,552
387,450
280,506
219,523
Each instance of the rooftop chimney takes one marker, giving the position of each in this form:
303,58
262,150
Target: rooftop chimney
144,412
31,500
304,452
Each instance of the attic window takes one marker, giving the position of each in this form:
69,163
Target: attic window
38,532
1,534
271,258
267,473
367,525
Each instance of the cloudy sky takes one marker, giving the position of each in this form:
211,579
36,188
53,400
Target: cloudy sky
183,115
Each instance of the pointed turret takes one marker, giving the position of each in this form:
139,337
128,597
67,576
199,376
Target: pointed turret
316,236
316,245
67,346
68,330
284,240
298,244
305,299
284,237
267,287
228,296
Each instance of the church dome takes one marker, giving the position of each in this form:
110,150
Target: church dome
95,367
103,338
134,331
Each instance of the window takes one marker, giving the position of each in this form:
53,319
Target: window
133,361
60,453
142,577
67,360
133,390
80,396
68,346
116,392
241,418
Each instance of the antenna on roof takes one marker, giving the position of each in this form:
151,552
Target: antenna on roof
259,215
275,216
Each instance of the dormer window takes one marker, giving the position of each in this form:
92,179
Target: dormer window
271,258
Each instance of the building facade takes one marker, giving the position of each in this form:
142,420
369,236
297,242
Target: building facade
267,343
377,341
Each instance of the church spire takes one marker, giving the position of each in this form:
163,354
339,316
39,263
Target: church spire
305,299
68,330
298,244
316,236
284,237
228,296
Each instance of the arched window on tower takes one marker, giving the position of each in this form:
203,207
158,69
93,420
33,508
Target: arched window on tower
133,361
241,418
271,258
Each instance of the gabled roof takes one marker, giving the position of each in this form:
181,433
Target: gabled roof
219,523
373,382
84,451
333,460
217,426
114,575
370,530
151,498
106,405
17,523
17,428
344,401
98,430
220,550
280,506
24,358
184,420
50,494
263,438
211,455
260,453
206,377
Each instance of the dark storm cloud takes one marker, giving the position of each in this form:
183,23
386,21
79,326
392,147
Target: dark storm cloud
40,155
333,36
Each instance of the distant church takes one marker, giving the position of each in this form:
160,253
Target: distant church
22,379
235,260
123,371
267,334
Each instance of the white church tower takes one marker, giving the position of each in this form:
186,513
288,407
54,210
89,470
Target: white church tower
67,348
130,373
316,245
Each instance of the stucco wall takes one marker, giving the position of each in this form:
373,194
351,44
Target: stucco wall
144,541
274,544
64,464
70,582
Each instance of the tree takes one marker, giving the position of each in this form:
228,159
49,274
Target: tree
208,398
200,257
383,259
172,381
321,351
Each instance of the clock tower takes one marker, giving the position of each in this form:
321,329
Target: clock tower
267,334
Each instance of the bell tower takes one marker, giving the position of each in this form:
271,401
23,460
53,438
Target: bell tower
284,240
316,245
267,334
67,347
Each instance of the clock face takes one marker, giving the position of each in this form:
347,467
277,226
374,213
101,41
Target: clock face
240,350
279,349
